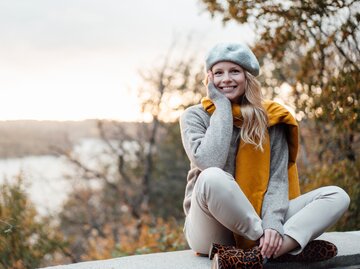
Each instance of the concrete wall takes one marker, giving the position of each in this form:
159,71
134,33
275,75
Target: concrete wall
348,244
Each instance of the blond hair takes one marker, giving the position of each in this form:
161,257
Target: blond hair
255,120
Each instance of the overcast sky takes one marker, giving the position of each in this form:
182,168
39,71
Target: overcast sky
79,59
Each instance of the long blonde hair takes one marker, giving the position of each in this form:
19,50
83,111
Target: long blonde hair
255,120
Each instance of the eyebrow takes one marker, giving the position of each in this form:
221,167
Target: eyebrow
217,69
231,68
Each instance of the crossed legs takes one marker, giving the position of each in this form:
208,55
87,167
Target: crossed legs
219,208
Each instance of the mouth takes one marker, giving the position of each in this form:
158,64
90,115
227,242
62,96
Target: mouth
228,88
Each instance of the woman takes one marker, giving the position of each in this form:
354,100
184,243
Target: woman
243,184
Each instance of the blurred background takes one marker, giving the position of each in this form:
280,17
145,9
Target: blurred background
91,160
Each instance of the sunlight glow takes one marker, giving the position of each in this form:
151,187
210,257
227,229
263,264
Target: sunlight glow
73,91
62,65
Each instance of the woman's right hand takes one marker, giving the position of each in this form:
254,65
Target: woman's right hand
212,91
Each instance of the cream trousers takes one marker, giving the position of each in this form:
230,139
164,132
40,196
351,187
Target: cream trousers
219,208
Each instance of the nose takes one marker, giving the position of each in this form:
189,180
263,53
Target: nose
226,77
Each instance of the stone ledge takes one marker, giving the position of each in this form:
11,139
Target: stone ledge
348,244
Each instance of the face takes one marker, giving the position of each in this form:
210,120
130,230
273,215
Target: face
229,78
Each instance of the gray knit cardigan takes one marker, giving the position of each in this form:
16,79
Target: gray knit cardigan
212,141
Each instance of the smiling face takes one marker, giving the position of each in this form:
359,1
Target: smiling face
229,78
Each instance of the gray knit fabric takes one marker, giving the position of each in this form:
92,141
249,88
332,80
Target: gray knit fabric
212,141
233,52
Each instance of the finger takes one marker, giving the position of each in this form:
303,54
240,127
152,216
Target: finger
275,244
278,239
261,241
265,243
271,244
279,246
210,76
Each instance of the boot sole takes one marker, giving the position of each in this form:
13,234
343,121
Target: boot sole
215,262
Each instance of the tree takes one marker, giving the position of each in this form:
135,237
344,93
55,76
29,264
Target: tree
312,46
166,92
26,239
136,206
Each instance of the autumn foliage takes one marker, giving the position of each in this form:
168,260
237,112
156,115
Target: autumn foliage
26,239
130,201
313,48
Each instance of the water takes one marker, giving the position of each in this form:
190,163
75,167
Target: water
50,179
43,177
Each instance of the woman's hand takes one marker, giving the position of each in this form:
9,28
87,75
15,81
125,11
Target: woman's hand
210,77
270,243
212,91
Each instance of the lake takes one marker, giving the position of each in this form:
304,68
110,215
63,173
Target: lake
47,177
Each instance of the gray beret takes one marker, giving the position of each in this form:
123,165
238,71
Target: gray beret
233,52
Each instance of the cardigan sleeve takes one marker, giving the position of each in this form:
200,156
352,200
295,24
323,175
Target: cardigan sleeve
207,144
276,200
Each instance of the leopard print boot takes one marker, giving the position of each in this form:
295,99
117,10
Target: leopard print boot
238,259
218,248
314,251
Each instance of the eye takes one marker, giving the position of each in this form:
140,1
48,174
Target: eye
218,73
235,71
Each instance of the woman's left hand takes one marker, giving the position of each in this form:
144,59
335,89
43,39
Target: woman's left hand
270,243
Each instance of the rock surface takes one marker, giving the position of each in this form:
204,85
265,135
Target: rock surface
348,244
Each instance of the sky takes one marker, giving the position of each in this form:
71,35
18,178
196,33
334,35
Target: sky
80,59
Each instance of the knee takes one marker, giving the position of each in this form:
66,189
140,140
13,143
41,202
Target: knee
342,198
211,172
211,178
